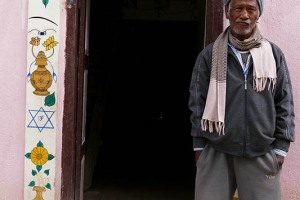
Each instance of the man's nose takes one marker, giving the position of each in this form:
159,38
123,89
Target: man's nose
244,14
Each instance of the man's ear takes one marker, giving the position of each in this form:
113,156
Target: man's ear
227,12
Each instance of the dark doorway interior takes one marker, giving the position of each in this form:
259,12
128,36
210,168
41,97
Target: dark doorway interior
138,80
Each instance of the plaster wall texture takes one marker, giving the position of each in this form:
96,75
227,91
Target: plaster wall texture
13,47
61,90
12,108
280,23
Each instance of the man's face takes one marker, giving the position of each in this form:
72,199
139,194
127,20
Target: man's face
242,16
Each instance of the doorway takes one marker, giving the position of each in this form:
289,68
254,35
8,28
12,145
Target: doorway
138,70
137,95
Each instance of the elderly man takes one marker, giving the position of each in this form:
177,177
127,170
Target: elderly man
242,111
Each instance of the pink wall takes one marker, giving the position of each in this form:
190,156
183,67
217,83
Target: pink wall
280,23
12,108
13,34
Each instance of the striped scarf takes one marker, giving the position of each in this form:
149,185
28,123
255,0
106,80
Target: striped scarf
264,71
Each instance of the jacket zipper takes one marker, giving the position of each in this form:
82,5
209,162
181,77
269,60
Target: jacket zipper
245,134
245,73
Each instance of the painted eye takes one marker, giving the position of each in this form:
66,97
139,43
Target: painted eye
42,33
49,32
34,32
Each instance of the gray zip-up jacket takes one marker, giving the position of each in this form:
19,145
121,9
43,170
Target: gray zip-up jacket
255,122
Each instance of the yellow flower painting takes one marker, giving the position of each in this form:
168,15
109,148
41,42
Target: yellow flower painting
39,155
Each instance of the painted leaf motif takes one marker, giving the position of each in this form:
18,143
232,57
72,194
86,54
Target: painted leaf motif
45,2
33,172
50,100
47,172
38,168
31,184
28,155
40,144
48,186
50,157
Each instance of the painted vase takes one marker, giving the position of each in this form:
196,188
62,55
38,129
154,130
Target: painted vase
41,78
39,191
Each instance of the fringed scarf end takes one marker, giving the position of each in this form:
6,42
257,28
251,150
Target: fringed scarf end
210,126
259,84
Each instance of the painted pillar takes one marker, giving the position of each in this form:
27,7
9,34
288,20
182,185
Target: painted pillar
41,95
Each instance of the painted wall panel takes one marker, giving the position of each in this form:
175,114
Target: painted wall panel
41,99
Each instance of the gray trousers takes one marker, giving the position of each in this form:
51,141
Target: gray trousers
218,175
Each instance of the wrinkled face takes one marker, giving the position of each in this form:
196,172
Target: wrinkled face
242,16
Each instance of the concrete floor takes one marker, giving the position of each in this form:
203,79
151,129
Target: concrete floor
139,190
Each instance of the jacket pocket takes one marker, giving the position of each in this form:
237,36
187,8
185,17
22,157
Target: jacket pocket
276,165
202,154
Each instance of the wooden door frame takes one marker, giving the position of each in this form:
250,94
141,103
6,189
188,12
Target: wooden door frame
73,100
72,150
213,20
